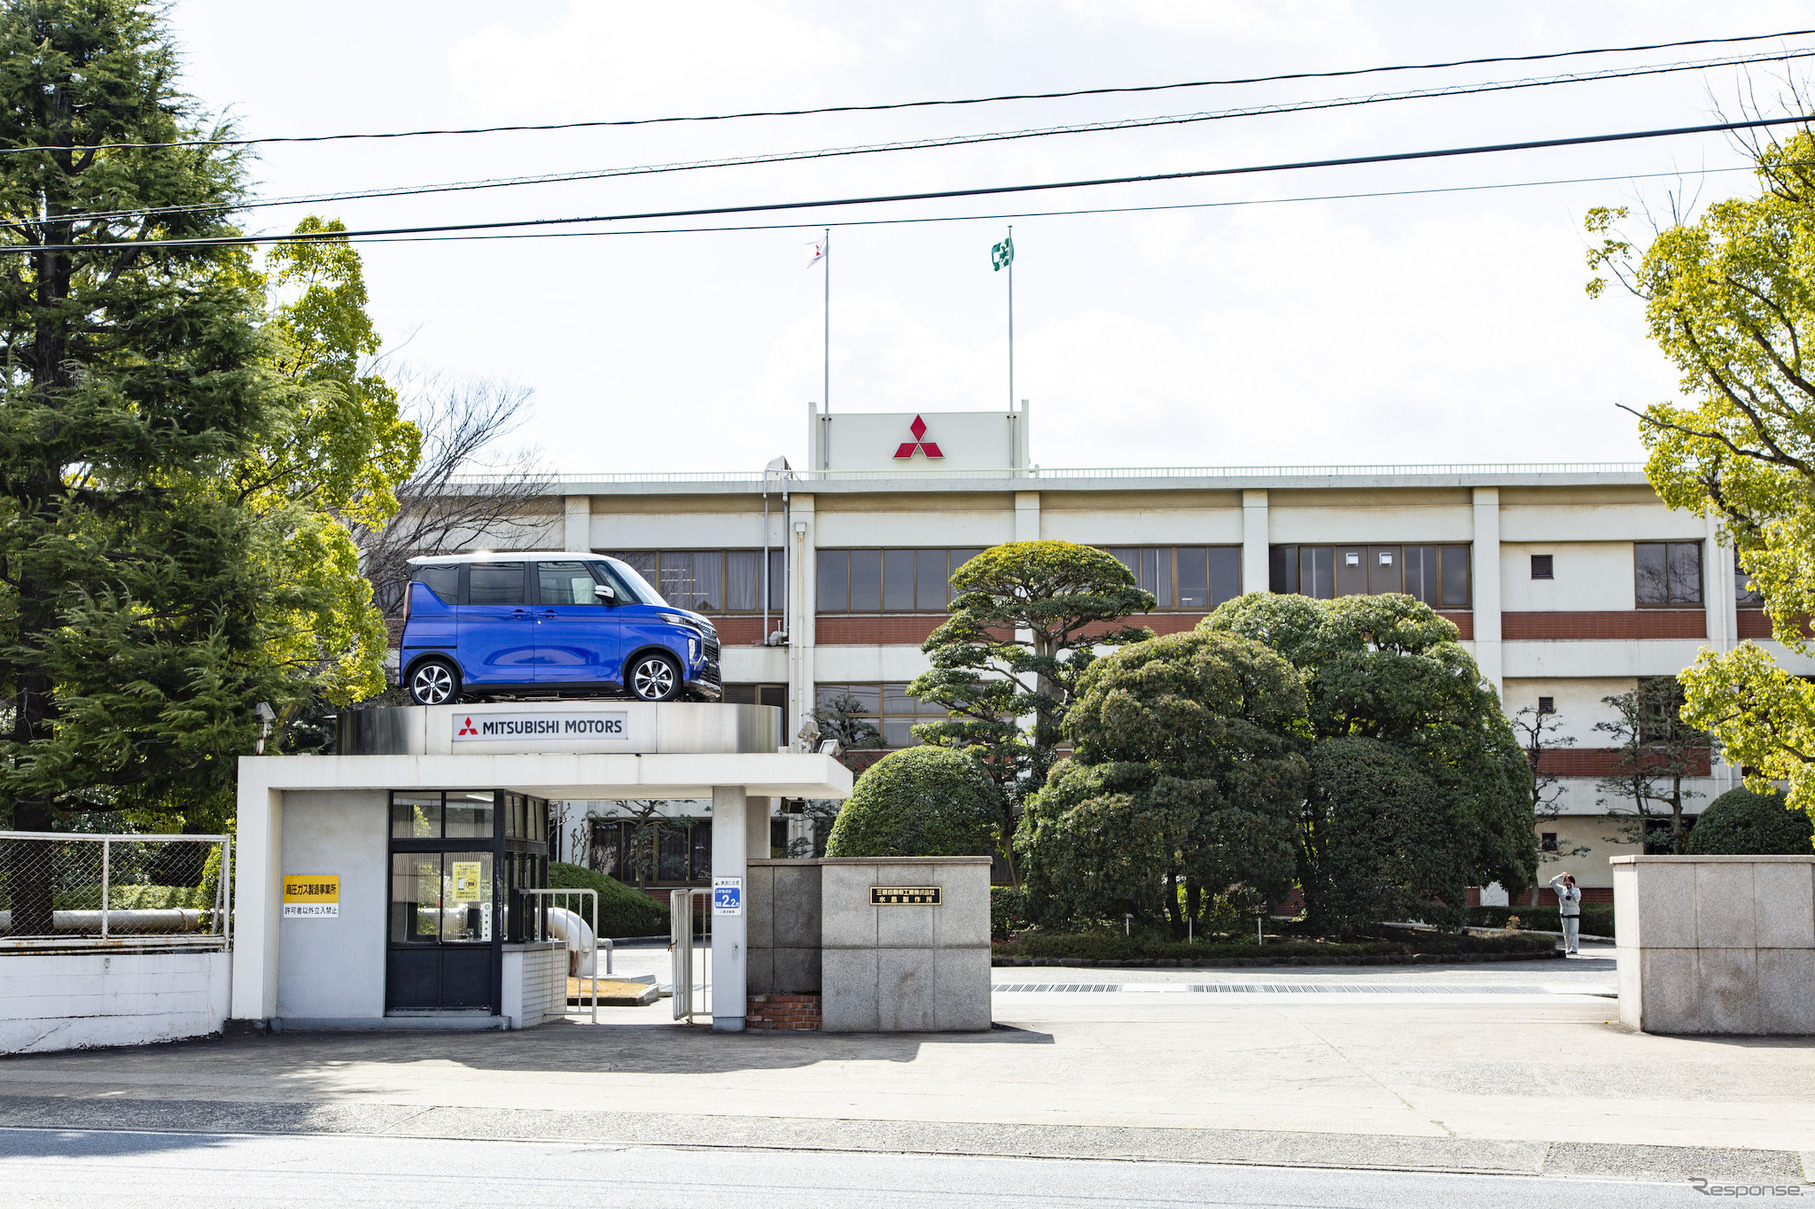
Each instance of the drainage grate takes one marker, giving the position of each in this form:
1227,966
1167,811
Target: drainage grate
1056,986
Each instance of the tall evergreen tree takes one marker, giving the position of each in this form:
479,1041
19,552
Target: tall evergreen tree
136,380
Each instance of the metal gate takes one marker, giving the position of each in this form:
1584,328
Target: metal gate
691,955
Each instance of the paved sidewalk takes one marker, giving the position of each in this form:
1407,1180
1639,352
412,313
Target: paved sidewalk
1434,1073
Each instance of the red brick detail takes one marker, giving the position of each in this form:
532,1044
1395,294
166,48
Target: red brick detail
1464,622
1543,896
896,629
1629,623
796,1012
1756,623
743,630
1600,762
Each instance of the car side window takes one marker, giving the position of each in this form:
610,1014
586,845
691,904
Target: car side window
602,573
495,584
443,580
565,584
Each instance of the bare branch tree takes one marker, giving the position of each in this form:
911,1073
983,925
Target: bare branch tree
1540,731
464,421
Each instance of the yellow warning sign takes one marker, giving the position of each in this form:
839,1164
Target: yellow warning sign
466,881
311,895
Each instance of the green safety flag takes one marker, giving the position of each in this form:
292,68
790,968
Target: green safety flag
1001,255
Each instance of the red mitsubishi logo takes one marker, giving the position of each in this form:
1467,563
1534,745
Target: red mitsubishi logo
466,728
929,448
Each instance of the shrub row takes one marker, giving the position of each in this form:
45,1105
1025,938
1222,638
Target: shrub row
1597,918
623,910
1104,946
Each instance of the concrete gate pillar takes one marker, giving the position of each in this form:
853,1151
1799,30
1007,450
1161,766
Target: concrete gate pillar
730,948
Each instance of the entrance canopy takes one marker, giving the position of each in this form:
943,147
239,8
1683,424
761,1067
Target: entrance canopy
330,810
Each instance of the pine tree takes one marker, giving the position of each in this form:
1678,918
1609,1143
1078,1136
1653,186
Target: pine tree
136,379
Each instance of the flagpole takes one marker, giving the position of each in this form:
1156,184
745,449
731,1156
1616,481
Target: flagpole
826,386
1011,317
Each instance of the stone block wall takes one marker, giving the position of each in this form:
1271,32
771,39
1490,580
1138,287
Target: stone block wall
1716,944
813,934
781,904
905,968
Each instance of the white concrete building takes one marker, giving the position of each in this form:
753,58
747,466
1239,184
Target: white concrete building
1569,582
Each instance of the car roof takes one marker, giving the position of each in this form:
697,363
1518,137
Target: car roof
492,556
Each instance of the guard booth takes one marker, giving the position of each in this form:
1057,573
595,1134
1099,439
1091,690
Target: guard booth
386,886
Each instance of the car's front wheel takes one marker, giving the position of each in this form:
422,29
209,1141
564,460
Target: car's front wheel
434,682
654,678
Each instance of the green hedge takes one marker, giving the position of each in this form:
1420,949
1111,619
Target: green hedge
1597,918
133,898
623,910
1007,911
1107,946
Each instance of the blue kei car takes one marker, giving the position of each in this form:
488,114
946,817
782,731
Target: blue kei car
548,624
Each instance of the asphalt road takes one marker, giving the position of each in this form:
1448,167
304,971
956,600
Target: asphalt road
202,1170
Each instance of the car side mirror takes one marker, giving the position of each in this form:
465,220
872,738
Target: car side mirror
605,593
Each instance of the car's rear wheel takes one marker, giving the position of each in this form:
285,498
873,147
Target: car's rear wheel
434,682
654,678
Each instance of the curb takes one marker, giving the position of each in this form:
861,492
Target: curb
1187,963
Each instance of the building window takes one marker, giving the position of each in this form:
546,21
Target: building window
713,581
1543,566
1547,705
1436,575
756,694
888,581
1192,578
1547,841
1667,573
886,707
660,850
1744,594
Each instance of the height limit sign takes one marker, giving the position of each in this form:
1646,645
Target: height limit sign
727,896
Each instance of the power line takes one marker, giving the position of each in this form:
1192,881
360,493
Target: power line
932,195
1094,210
923,104
1282,107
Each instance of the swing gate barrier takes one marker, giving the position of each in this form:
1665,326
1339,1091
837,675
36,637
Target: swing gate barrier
691,953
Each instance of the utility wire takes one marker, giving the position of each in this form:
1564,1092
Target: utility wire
960,140
925,104
1094,210
1581,140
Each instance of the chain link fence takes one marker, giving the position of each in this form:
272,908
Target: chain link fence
63,890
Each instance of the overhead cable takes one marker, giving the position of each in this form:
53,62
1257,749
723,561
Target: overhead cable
960,140
926,104
1582,140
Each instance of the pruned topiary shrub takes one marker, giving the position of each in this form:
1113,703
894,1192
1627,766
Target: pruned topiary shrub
1743,823
924,801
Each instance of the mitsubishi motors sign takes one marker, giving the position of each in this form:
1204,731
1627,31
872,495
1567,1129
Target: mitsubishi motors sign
907,449
540,724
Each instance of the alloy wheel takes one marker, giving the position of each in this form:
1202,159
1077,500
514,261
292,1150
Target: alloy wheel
653,679
432,684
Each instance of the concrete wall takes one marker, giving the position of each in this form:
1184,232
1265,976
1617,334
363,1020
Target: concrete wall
1716,944
333,969
75,1000
782,903
905,968
534,989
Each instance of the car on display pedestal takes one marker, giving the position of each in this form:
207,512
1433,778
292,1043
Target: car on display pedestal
548,624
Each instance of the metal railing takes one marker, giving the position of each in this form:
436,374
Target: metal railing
547,919
754,478
70,890
681,949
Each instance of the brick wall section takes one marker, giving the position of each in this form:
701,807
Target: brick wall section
1756,623
793,1012
1626,623
897,629
741,630
1464,622
1600,761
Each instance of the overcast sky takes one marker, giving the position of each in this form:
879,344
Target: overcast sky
1435,328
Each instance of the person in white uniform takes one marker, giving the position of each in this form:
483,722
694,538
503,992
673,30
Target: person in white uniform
1569,907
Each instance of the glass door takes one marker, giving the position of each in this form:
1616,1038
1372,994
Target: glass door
445,942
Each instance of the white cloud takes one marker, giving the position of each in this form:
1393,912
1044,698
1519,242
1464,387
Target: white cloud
626,57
